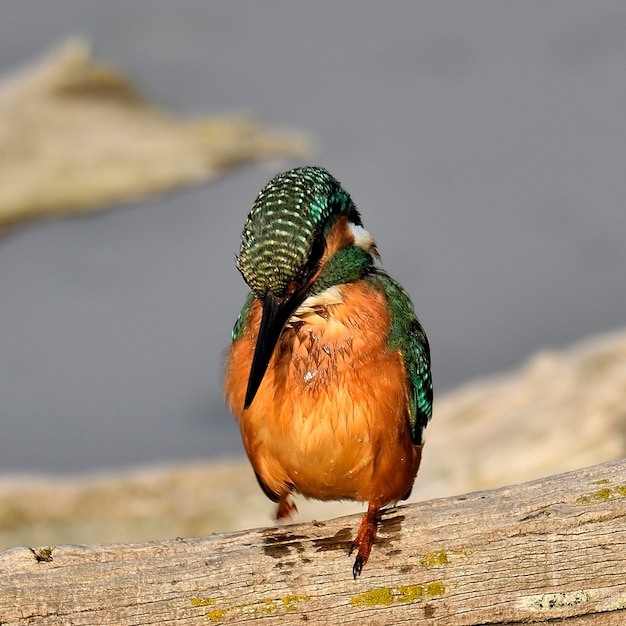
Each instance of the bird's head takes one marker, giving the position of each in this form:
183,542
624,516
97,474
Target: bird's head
283,240
283,245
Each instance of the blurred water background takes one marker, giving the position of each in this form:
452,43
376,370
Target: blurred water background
483,142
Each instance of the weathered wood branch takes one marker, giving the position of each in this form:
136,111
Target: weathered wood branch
540,551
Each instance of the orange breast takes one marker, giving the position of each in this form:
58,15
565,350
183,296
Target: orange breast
330,418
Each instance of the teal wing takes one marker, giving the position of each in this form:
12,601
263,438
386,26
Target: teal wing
409,338
242,318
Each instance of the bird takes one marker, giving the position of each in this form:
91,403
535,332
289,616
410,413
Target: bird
329,369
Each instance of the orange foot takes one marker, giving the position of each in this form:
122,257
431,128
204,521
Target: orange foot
365,539
286,508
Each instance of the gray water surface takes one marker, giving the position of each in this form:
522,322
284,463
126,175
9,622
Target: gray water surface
483,142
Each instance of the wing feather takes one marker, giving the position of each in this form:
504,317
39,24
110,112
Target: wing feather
408,337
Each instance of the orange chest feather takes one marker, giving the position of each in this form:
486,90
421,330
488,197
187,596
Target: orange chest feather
319,352
332,404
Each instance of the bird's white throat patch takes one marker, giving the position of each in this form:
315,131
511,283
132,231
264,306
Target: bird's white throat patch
363,238
329,296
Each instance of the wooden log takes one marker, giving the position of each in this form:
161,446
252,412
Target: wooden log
552,549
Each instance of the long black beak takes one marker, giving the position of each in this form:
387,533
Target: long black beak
276,312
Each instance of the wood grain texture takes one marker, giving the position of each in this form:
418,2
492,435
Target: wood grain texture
552,549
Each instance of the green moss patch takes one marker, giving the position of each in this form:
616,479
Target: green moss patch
386,596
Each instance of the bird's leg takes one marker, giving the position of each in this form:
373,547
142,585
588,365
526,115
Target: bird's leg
365,538
286,507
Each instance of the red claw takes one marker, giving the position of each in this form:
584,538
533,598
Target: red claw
365,539
286,508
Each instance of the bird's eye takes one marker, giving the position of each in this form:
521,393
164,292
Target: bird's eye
291,288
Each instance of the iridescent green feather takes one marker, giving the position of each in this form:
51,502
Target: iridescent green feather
242,318
409,338
345,266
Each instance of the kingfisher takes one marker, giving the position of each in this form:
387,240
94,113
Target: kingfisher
328,373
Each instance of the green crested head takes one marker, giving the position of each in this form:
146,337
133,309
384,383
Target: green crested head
284,236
